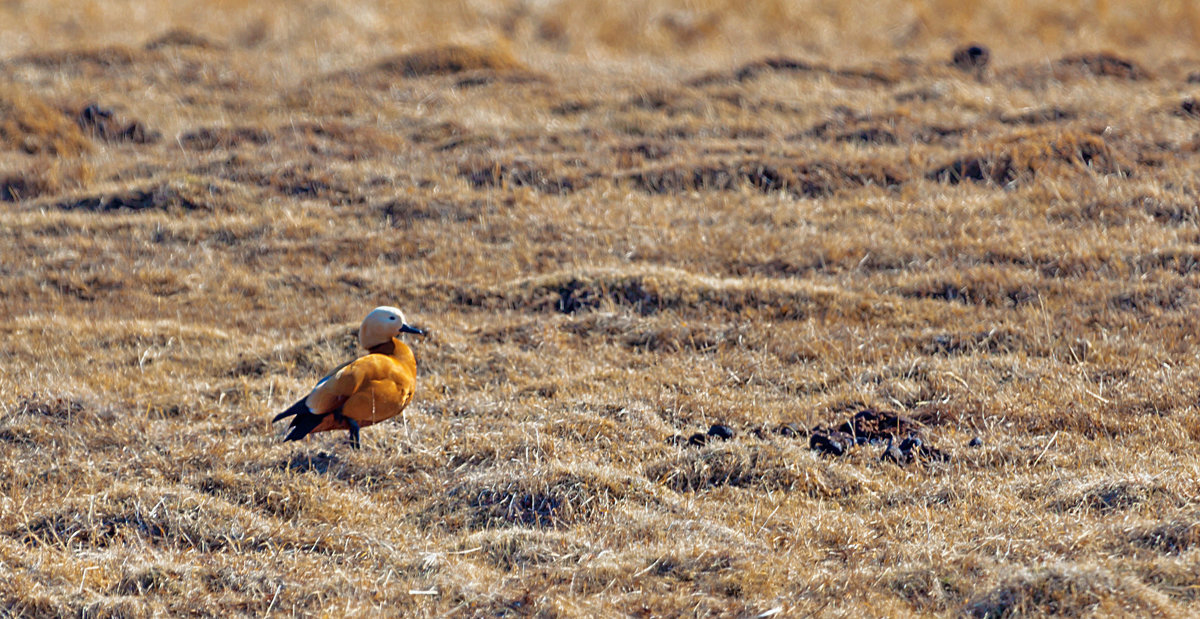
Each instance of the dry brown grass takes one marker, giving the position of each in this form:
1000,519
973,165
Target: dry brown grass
622,224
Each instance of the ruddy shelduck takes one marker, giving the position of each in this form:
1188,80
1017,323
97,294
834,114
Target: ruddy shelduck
370,389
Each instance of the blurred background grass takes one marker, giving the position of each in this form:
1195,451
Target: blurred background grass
698,32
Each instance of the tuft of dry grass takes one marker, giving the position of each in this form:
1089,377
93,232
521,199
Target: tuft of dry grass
667,254
30,124
1025,154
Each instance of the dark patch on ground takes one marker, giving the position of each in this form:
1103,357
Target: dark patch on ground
180,38
830,442
56,407
404,213
449,59
1172,537
23,187
783,64
994,341
631,155
1026,154
869,135
105,124
309,463
1038,116
911,449
873,426
978,168
551,500
902,436
1101,64
519,173
159,198
88,61
211,138
803,179
575,295
971,58
700,439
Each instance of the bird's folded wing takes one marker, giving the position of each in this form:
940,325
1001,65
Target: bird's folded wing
325,379
333,391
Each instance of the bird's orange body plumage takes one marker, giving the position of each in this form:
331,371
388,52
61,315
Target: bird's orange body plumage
370,389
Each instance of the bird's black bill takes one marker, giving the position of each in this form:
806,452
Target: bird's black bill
407,328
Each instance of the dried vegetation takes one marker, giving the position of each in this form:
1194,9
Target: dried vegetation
732,308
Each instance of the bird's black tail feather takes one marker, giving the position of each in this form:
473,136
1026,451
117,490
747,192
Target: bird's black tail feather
295,409
304,422
302,425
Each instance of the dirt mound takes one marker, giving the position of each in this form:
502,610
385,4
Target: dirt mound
36,420
763,467
522,173
533,497
1112,495
629,155
1028,154
846,125
984,285
802,179
405,213
1067,590
303,182
874,426
526,548
650,290
450,59
95,62
1099,64
339,140
828,441
30,124
1038,116
912,449
1188,108
327,139
180,38
53,406
1073,68
643,333
212,138
18,187
280,499
121,515
783,64
901,437
716,432
972,58
104,124
993,341
1175,536
176,196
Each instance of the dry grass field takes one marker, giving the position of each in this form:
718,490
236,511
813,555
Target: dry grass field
621,224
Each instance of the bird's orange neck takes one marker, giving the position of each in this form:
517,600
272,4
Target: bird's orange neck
397,350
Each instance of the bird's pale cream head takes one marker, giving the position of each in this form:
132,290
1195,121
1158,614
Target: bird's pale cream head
383,324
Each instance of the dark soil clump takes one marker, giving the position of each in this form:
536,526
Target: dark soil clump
870,425
972,58
104,124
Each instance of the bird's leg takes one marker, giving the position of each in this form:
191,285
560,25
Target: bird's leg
353,433
353,427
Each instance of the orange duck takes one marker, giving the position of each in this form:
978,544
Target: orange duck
370,389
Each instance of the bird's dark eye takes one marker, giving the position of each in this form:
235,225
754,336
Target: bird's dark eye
391,317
